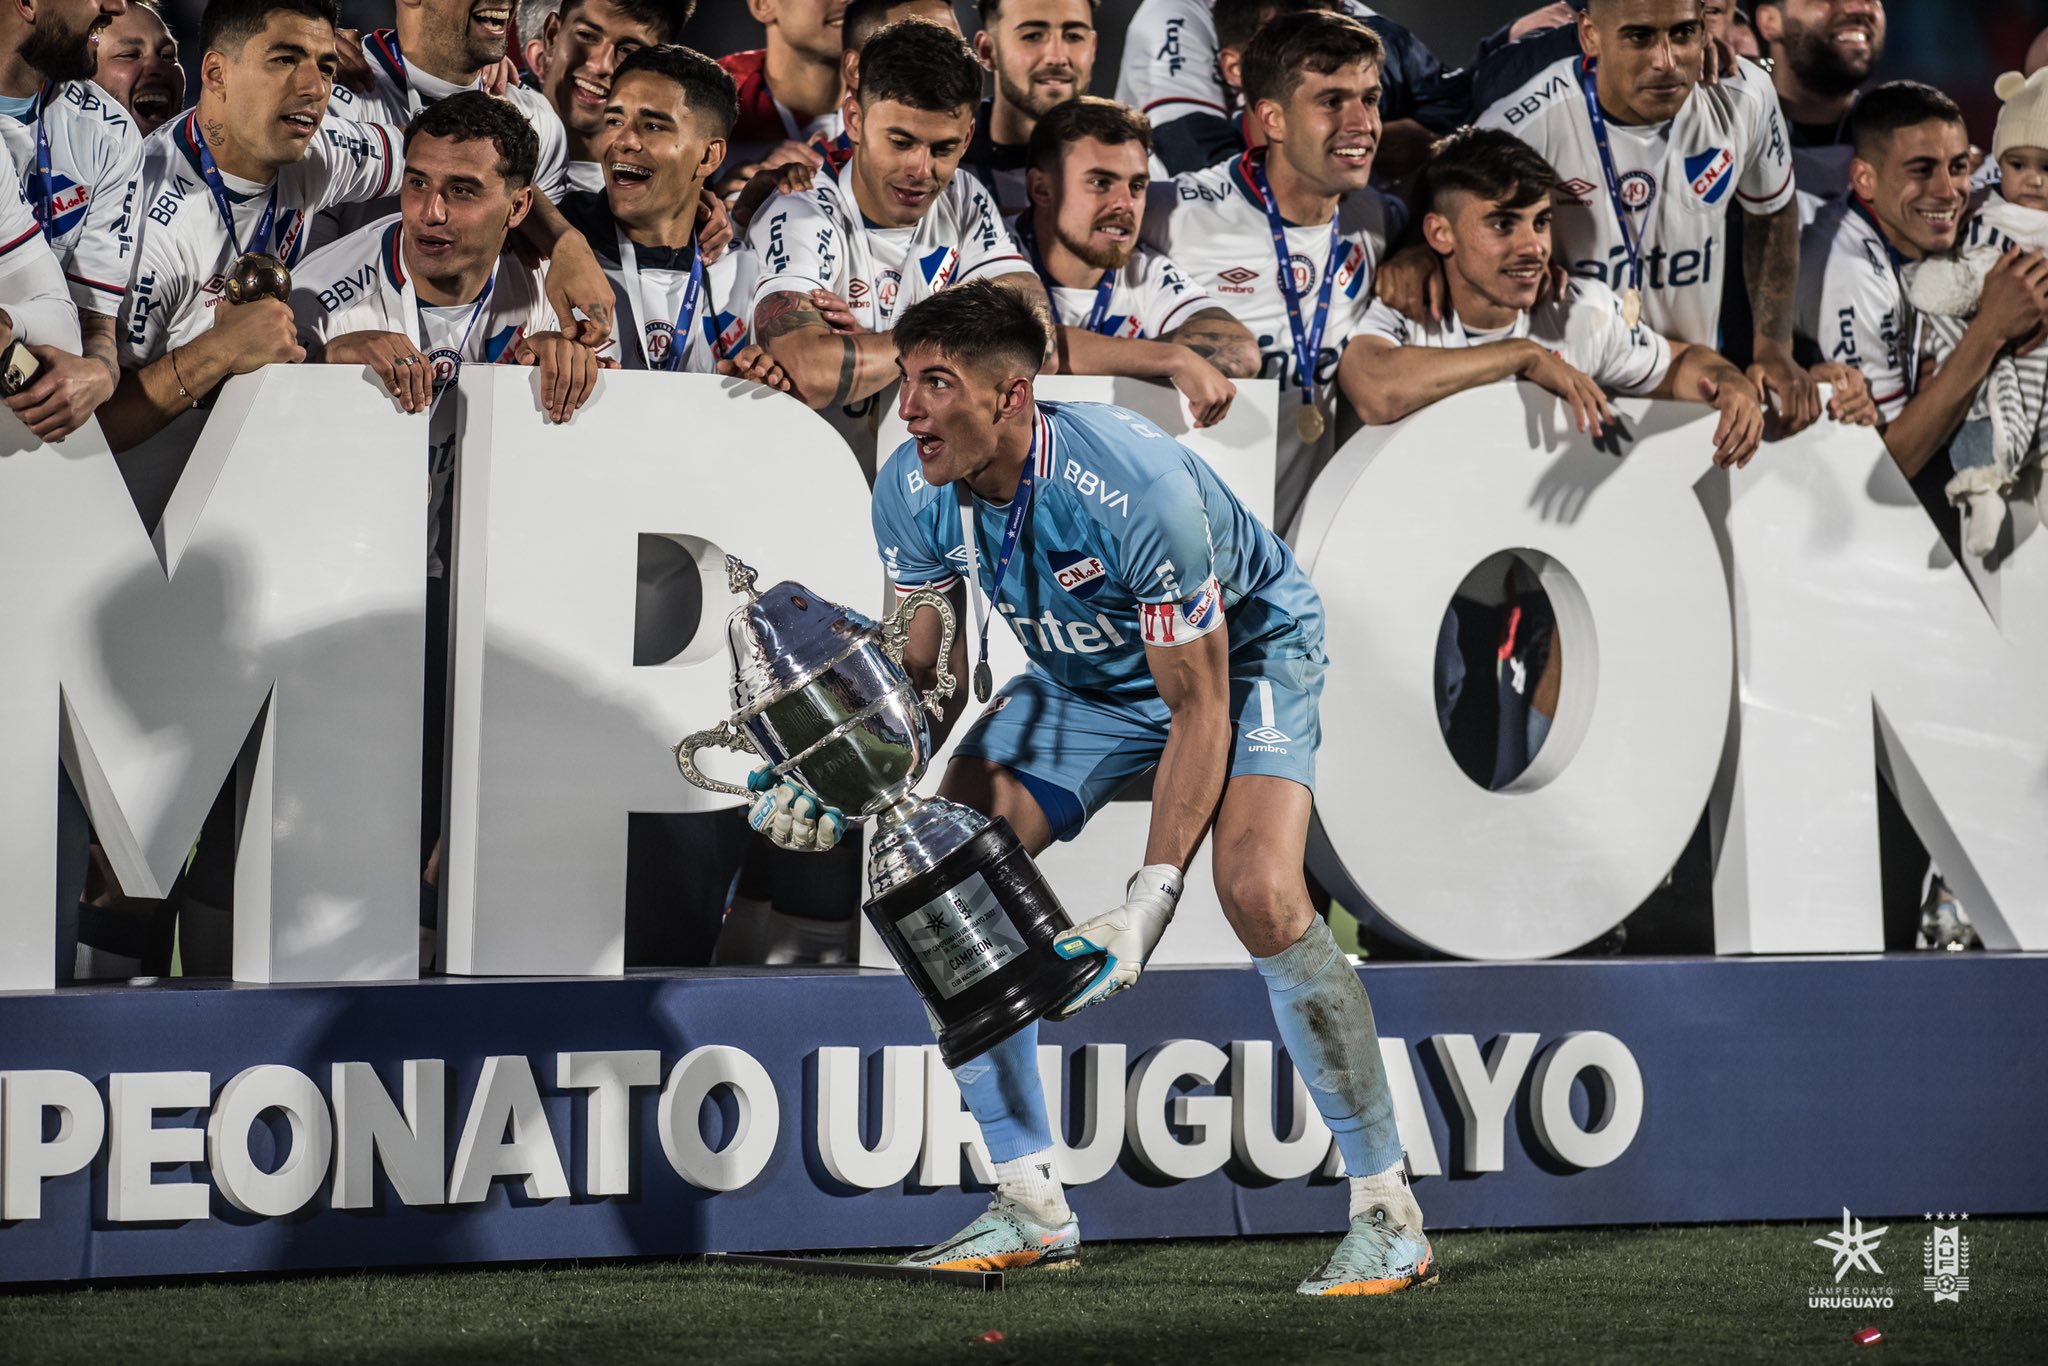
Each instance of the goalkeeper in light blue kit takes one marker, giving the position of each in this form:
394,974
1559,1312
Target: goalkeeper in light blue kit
1166,627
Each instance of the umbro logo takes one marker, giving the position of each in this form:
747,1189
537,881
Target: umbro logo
1236,280
1576,191
1268,735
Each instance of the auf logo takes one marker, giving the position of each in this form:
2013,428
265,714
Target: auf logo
1853,1248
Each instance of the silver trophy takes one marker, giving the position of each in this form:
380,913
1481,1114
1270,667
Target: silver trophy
819,693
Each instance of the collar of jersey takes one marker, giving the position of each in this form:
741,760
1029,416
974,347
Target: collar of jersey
393,256
377,46
184,136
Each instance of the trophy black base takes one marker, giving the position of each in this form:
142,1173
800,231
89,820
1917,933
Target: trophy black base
974,933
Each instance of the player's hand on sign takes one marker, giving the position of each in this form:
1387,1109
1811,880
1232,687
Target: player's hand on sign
1125,937
757,365
568,372
408,376
837,313
1209,392
1411,282
1789,389
259,333
792,816
1591,412
64,395
351,67
1849,403
1741,429
714,226
576,282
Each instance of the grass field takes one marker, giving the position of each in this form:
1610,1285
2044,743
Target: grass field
1576,1296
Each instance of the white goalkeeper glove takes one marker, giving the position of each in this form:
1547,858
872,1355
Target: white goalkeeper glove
1126,936
792,816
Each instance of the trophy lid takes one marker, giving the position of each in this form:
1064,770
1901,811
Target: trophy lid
780,638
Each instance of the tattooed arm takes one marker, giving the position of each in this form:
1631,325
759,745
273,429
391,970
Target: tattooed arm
1770,272
828,369
1198,358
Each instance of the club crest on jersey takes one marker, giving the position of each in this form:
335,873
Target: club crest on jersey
1709,173
1081,575
1304,273
1236,280
661,339
887,286
937,267
68,202
732,334
445,363
1638,190
1351,275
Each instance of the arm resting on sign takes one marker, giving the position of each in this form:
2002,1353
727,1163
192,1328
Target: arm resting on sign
828,369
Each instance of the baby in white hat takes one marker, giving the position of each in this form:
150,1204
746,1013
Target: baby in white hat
2006,429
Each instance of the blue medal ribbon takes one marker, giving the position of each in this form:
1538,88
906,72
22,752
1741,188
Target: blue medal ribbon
1308,341
468,331
1013,528
45,202
679,338
1027,233
259,240
1861,209
1632,242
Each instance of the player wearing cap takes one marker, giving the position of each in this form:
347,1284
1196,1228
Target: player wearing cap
440,47
78,156
1122,308
1041,53
578,49
1175,72
1910,185
1167,630
1652,162
894,225
1287,236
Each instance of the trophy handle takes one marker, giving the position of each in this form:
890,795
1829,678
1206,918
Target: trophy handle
896,635
723,735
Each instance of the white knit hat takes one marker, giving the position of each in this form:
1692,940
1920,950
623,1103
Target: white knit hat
2023,122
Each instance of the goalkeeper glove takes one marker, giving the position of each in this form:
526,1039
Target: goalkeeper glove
792,816
1126,936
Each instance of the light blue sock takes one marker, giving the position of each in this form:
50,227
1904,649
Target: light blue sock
1006,1098
1326,1023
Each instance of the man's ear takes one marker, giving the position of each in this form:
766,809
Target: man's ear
849,66
1862,178
522,204
212,71
762,10
985,49
1436,231
850,115
1230,61
713,158
1272,120
1016,397
1038,186
1589,36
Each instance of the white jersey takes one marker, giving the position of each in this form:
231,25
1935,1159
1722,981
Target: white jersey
1149,298
1213,224
1583,326
719,329
585,175
402,91
2000,222
31,282
1169,68
1852,307
360,284
818,240
1726,147
89,206
185,250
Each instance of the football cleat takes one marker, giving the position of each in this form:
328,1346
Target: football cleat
1005,1238
1379,1256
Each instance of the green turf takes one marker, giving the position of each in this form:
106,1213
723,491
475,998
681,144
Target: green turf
1623,1295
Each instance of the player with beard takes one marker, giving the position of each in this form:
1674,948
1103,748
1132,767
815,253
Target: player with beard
1909,186
1174,72
138,65
1041,53
664,134
77,156
1288,235
842,261
1174,636
576,53
440,47
1822,52
1122,308
789,89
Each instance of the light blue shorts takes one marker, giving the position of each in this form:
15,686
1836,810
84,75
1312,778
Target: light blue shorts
1086,747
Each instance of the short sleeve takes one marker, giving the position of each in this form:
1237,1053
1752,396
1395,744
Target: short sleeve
1169,65
905,537
799,245
1170,298
1169,562
357,162
1863,324
156,315
1388,324
98,258
1766,184
1629,360
31,281
986,247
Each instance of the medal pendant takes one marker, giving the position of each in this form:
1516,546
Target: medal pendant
984,681
1631,307
1309,422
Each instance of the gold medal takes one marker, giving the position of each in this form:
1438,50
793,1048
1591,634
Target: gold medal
1309,422
1631,307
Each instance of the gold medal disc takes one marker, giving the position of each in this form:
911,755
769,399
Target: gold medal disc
1309,422
1632,307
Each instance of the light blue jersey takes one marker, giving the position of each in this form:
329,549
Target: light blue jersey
1131,540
